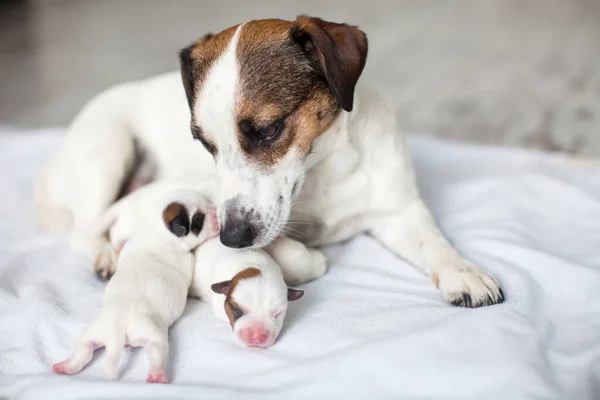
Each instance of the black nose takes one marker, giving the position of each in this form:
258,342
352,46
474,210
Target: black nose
237,233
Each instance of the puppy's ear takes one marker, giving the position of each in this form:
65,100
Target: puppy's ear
294,294
338,50
221,287
197,223
176,219
187,67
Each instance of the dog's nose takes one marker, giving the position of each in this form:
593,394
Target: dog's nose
237,233
255,336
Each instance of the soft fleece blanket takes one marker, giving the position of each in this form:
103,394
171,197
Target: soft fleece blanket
373,326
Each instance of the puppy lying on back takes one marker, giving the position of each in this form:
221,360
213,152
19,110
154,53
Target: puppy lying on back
245,287
149,290
120,222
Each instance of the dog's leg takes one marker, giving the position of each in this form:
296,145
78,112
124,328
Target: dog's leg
414,236
76,361
85,177
157,356
298,263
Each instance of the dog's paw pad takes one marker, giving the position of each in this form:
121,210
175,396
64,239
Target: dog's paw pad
470,287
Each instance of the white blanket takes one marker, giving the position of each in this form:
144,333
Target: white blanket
373,326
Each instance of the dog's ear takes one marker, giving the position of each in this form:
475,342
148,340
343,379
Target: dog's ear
186,63
338,50
176,219
221,287
294,294
197,223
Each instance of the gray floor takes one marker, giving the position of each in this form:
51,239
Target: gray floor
517,72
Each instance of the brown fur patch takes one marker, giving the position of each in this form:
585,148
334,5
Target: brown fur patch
171,212
339,49
230,304
279,82
295,74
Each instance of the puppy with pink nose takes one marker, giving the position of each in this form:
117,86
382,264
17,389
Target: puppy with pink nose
149,289
245,288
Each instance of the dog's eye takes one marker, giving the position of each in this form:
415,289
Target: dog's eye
272,130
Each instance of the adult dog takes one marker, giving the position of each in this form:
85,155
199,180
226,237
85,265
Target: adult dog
296,146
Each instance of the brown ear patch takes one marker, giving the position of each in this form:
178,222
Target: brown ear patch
221,287
176,219
339,50
232,310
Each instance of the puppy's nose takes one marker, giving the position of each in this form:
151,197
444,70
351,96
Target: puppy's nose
237,233
254,336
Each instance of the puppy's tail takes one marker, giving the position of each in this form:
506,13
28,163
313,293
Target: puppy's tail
114,343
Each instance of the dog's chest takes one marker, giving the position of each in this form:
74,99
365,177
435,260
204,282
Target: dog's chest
333,195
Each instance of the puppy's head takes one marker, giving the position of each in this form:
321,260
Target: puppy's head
260,94
188,216
256,305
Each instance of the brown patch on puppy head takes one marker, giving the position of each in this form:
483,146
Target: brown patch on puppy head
177,219
233,311
279,87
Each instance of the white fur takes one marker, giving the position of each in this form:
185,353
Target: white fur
122,219
146,295
240,179
263,298
359,177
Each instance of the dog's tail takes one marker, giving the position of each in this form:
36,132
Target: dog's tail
114,342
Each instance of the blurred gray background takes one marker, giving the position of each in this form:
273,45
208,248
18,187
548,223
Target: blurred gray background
514,72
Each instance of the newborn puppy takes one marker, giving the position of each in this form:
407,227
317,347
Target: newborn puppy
149,290
244,287
120,222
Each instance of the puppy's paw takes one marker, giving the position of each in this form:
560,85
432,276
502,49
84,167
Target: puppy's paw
157,375
468,286
106,263
318,263
62,368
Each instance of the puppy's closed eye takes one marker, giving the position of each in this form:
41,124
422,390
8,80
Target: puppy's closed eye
236,312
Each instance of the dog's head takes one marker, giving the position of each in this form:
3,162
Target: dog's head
260,94
188,215
256,304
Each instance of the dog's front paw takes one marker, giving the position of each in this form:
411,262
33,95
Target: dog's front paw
318,263
106,262
468,286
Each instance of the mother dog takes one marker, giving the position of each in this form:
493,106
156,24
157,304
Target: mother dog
295,145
